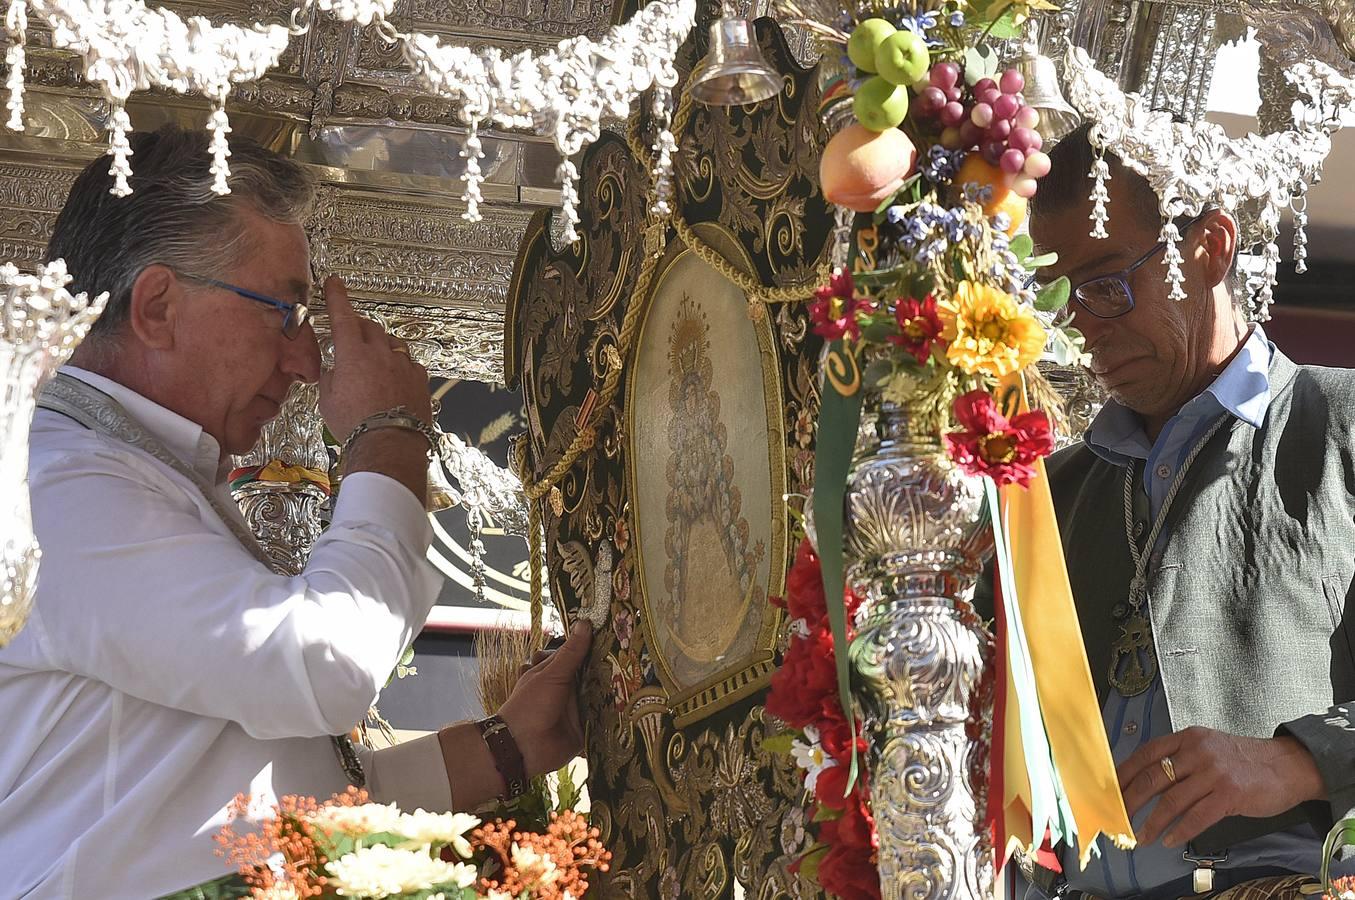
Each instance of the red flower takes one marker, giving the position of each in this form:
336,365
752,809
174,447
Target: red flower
804,587
848,869
850,874
991,445
919,326
806,680
833,311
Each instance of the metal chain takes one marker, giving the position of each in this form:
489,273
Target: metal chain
1141,558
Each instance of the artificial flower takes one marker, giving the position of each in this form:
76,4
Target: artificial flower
534,868
367,818
1342,888
804,587
806,680
990,444
424,828
833,311
849,869
919,326
379,871
810,756
988,332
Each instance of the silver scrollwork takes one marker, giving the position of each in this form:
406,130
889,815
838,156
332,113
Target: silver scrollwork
285,515
916,537
41,324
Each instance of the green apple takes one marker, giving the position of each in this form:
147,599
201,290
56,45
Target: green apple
879,104
902,58
864,40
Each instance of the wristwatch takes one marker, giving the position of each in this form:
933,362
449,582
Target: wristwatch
506,753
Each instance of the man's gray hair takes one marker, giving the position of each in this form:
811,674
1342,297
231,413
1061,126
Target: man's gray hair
172,217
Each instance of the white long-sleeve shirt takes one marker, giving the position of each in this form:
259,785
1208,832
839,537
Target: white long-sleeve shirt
164,669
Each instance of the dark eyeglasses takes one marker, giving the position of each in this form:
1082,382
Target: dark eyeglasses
1110,296
295,315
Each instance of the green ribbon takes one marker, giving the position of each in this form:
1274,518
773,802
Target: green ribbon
839,419
1049,802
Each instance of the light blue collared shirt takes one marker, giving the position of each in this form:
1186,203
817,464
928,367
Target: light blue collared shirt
1242,391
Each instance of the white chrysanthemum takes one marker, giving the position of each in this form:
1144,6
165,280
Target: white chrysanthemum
280,891
425,828
536,869
369,818
381,871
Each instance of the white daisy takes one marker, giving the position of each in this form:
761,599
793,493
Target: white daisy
811,756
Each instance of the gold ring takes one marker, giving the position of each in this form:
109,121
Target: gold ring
1168,769
400,349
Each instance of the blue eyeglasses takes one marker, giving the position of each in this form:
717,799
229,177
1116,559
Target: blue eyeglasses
1110,296
295,315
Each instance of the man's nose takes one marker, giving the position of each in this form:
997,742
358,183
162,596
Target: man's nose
301,356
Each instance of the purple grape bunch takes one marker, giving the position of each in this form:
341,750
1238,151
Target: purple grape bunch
997,122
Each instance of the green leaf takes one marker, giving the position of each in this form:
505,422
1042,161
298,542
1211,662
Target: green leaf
876,330
1039,262
778,743
826,814
879,370
839,418
1005,28
1053,296
566,789
979,63
1022,246
809,863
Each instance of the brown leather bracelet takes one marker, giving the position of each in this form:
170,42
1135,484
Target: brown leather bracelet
503,747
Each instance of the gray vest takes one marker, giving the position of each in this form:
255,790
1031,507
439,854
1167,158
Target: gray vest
1249,594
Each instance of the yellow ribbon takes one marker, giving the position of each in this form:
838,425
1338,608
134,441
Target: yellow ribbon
1063,678
278,472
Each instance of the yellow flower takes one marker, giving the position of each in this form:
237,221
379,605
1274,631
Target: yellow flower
988,333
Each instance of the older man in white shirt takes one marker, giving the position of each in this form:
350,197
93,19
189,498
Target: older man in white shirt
165,667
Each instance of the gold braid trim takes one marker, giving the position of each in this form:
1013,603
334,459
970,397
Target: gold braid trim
753,289
587,434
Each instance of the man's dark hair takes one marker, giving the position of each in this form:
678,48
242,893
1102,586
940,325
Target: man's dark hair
1069,182
172,216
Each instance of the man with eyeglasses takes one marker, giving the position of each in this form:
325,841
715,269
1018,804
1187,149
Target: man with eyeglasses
166,667
1208,521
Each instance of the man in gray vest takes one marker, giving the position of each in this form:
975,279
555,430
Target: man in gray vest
1208,521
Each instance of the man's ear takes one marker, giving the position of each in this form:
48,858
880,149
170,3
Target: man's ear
1218,240
156,299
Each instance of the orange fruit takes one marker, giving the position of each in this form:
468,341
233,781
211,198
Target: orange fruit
977,170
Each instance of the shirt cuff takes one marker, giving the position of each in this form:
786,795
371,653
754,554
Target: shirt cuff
373,497
411,775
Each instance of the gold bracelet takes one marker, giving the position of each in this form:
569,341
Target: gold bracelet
399,417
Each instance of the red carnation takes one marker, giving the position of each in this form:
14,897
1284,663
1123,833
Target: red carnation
919,326
806,680
804,587
994,446
848,870
833,311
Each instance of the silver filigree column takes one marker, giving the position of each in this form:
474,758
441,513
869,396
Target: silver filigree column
916,537
282,507
41,324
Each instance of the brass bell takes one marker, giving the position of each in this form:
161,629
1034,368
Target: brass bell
733,72
1042,92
